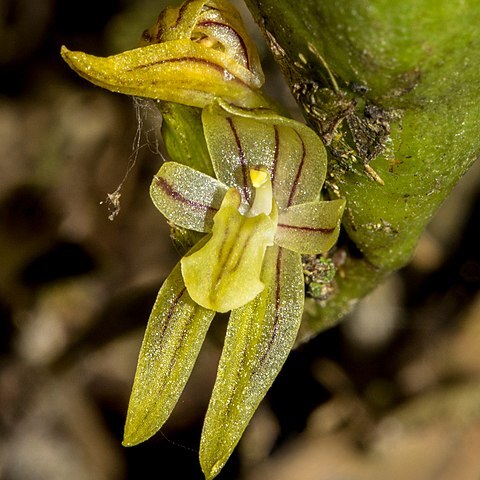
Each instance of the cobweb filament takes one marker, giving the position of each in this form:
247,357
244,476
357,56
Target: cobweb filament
146,111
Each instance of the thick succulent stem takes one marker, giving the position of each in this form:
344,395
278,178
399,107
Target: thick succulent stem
392,88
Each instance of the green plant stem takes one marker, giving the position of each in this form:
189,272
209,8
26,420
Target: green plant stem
400,118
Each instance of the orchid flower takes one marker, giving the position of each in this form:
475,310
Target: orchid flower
260,210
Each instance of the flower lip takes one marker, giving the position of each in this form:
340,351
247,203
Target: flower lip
225,273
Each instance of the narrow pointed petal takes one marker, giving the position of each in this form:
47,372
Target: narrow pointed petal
310,227
259,337
239,138
225,273
177,71
187,197
175,332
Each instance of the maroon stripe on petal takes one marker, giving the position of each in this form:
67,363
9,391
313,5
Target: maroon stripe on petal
298,175
241,157
176,195
273,336
278,273
306,228
212,23
181,340
275,155
170,313
173,305
202,61
180,14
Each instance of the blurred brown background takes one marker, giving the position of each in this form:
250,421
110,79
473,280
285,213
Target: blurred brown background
393,392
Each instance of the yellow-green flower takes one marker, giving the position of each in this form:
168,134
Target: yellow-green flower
260,211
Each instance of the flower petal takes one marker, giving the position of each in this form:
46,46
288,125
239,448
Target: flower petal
177,71
310,227
175,332
187,197
223,23
175,23
236,144
225,273
259,337
239,138
215,23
